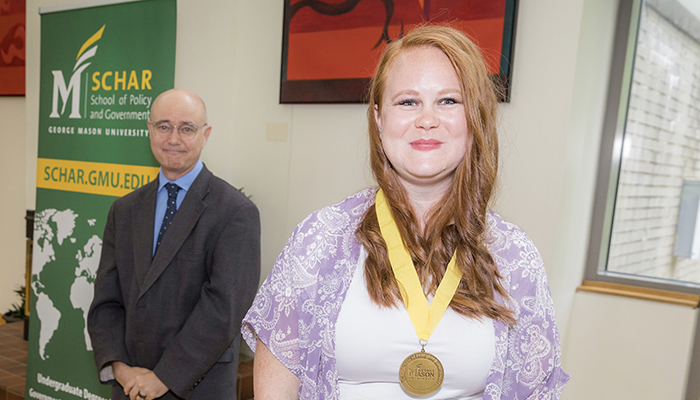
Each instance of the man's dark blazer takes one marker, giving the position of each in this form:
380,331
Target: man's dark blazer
178,313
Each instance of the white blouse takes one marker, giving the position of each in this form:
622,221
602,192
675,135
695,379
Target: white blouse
372,342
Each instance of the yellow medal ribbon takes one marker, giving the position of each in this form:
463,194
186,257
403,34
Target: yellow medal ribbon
425,318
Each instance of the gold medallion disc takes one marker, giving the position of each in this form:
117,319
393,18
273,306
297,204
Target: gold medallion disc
421,374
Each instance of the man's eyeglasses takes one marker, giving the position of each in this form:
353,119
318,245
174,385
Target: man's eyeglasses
186,130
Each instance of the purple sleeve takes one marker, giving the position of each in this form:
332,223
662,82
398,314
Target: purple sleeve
528,360
295,310
274,316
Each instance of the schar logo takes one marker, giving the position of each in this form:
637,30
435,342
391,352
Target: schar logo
72,90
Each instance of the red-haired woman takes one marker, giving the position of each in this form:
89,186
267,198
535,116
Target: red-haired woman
414,289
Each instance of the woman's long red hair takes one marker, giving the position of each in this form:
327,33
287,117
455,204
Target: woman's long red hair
459,223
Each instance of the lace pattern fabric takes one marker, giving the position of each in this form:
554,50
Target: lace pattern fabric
296,308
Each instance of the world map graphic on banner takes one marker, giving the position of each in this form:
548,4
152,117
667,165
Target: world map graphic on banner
53,230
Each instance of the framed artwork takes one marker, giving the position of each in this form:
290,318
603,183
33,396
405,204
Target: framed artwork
12,46
331,47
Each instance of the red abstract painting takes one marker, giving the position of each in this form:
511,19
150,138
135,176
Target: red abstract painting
331,47
12,46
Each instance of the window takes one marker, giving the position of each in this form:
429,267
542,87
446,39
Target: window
646,227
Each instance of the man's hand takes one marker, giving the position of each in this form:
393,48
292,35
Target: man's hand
145,386
138,383
124,373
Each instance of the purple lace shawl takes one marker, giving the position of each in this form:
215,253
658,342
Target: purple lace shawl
296,308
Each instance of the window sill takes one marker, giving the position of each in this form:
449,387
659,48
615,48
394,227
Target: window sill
635,292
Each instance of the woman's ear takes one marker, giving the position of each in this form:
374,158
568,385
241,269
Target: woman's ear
378,118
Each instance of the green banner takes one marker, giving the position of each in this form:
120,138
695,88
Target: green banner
101,68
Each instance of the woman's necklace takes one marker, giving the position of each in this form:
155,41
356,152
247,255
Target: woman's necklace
420,373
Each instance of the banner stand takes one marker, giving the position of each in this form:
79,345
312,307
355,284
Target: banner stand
102,65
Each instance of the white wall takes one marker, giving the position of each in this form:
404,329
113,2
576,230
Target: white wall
228,58
622,348
229,52
12,210
536,137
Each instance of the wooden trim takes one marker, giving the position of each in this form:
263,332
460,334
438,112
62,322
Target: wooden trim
636,292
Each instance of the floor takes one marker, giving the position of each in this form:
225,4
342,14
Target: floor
13,361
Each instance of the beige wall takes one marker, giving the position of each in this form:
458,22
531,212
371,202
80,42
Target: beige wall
12,210
229,52
621,348
232,62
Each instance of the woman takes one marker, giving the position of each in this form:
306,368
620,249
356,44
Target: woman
345,313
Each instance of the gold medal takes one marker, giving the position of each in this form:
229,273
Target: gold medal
421,374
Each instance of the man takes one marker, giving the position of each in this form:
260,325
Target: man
180,266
